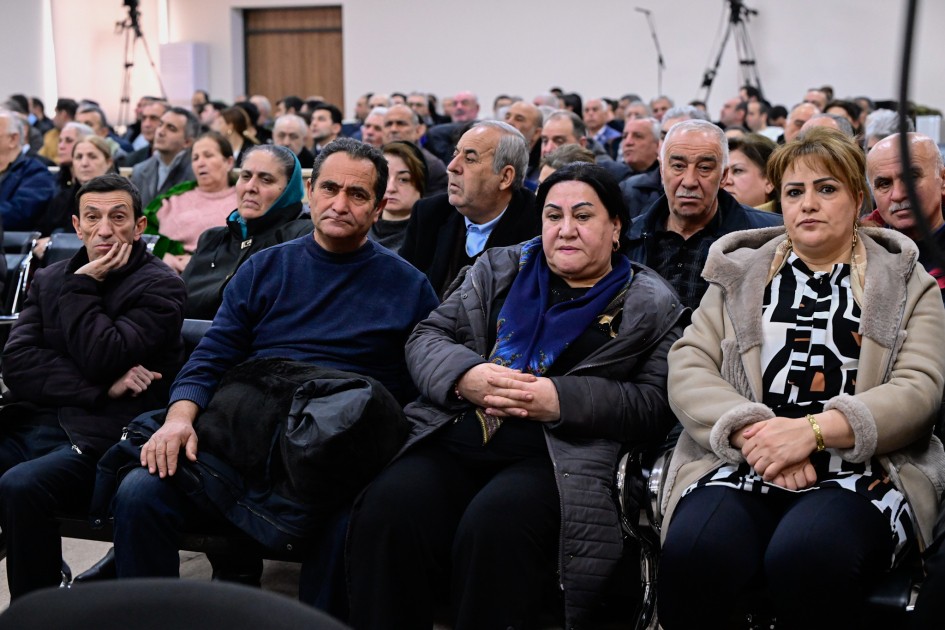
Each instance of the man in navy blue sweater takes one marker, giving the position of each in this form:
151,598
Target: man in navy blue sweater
334,299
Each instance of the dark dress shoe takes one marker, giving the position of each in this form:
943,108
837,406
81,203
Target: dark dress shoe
104,569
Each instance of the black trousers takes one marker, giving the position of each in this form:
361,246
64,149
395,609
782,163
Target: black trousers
41,475
481,530
811,555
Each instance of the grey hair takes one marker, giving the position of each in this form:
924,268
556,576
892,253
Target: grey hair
654,126
293,118
356,151
83,129
884,122
649,112
15,125
580,129
703,126
549,99
661,97
282,155
512,150
842,123
687,111
546,112
266,105
378,111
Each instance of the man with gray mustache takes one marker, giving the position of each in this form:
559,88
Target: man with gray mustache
884,172
674,234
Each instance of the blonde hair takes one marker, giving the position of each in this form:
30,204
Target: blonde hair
828,148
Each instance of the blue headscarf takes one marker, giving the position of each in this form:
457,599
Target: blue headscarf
291,195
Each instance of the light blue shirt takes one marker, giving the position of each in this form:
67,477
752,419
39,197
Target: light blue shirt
478,234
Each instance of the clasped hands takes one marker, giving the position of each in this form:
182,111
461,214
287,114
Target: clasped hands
507,393
779,450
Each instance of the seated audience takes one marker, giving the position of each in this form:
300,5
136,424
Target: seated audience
674,234
169,165
503,493
331,298
406,184
233,124
268,211
811,375
561,157
91,158
893,207
188,210
486,205
290,131
26,186
747,164
97,343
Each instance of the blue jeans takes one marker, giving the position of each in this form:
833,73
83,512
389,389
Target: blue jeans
41,475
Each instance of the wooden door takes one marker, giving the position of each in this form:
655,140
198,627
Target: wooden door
294,52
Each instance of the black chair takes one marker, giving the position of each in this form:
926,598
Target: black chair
159,604
62,246
18,255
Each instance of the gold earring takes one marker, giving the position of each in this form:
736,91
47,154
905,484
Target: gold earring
856,233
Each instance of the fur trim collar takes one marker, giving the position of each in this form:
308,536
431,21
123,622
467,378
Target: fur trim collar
740,264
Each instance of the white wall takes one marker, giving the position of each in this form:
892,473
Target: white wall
521,47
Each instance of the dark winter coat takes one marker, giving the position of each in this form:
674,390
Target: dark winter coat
76,336
612,398
221,251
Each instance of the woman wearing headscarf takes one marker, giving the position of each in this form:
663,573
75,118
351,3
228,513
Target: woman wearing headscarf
269,195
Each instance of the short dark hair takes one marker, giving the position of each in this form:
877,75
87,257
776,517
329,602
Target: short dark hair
778,111
293,102
67,105
110,182
598,178
22,102
192,126
251,110
336,116
356,151
751,91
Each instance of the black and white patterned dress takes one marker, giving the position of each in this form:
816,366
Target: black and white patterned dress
809,354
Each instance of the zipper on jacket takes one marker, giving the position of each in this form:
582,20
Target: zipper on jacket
66,431
554,465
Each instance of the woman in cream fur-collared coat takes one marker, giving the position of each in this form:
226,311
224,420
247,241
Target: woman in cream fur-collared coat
808,385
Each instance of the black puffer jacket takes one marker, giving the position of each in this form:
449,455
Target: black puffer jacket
613,397
220,252
75,337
